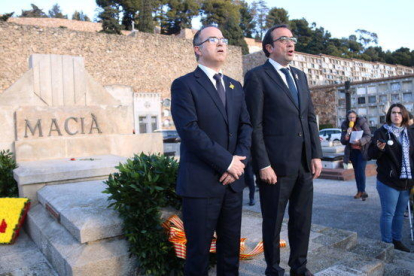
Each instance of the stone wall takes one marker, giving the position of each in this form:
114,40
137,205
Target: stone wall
324,101
147,62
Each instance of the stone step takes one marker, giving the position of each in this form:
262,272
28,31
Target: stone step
374,248
402,264
69,257
24,258
82,209
31,176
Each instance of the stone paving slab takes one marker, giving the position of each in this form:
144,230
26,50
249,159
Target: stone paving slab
82,209
23,258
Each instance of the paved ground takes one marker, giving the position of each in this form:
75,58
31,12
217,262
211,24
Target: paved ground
334,206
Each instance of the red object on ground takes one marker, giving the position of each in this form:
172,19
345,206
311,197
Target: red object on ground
3,226
72,159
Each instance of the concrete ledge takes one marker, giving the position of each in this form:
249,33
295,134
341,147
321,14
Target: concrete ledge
108,257
82,209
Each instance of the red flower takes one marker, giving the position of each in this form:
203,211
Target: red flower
3,226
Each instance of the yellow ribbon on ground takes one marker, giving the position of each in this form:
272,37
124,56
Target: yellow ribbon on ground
175,228
12,214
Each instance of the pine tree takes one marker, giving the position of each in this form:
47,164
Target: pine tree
110,21
146,23
80,16
34,12
56,12
277,16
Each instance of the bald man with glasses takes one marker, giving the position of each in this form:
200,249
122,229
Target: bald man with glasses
210,114
286,150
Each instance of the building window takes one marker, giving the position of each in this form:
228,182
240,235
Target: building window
383,98
407,86
395,86
341,102
361,90
143,124
372,99
407,97
395,98
372,90
154,123
361,100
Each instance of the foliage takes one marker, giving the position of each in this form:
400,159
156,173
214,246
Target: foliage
233,32
8,186
6,16
247,23
110,21
277,16
34,12
179,15
146,23
260,17
56,12
143,185
80,16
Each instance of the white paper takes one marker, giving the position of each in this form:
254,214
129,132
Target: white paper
355,135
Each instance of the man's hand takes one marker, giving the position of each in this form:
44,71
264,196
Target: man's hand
316,165
268,175
237,166
227,178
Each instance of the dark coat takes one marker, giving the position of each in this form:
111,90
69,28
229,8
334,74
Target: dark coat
360,124
389,160
210,134
280,127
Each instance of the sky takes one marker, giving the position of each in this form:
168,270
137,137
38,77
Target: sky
392,21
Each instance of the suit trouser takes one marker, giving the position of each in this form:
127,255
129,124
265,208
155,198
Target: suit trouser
298,190
203,216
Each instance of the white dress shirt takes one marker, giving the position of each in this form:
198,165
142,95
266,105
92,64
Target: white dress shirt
277,66
210,74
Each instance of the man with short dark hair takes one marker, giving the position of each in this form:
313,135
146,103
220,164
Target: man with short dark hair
286,150
211,117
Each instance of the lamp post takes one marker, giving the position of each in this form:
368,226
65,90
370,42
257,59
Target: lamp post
347,96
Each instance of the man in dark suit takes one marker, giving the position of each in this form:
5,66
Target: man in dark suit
286,150
211,117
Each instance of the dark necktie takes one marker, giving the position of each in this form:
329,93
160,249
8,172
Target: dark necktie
220,89
291,85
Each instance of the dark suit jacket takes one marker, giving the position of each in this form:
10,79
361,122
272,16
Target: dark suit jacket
210,134
280,127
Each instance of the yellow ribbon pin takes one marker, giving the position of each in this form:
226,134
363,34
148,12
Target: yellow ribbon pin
231,86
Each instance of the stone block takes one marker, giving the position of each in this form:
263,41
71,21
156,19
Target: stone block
69,257
337,238
374,248
83,210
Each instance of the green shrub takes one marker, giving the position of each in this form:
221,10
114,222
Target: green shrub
143,185
8,186
323,126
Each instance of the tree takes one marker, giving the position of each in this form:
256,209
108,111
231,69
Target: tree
277,16
261,12
247,23
233,32
146,23
366,37
34,12
319,40
56,12
300,28
80,16
110,21
217,12
6,16
179,15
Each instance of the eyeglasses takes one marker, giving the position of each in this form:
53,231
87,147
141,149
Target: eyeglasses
215,40
285,39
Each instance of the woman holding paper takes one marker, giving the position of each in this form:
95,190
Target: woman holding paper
393,146
356,135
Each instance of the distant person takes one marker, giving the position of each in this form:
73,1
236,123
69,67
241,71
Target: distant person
249,179
391,147
353,149
411,121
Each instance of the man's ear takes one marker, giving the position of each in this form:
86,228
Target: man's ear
197,50
269,48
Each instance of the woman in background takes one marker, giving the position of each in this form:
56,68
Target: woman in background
353,151
393,146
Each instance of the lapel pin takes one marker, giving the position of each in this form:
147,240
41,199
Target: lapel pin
296,76
231,86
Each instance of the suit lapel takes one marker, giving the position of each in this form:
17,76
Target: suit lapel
229,96
206,83
271,71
